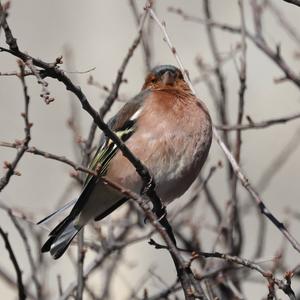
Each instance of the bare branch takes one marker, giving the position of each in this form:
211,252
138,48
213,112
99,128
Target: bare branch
29,255
12,166
45,92
48,155
290,29
222,107
284,285
259,125
21,288
146,42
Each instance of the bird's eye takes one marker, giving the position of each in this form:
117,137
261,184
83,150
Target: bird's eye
153,80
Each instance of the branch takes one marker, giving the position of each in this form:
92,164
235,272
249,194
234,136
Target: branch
48,155
45,92
283,22
234,221
9,38
284,285
12,166
146,41
21,288
222,107
259,125
33,267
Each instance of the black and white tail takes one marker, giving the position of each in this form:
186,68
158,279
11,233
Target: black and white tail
60,238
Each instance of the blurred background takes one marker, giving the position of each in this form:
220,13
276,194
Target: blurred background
94,36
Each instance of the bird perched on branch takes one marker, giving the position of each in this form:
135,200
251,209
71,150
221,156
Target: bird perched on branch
167,128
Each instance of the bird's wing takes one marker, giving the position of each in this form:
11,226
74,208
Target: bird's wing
123,124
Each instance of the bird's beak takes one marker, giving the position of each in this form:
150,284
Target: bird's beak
168,78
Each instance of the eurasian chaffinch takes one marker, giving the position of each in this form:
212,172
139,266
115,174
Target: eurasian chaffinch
167,128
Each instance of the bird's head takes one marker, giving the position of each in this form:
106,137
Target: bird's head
165,77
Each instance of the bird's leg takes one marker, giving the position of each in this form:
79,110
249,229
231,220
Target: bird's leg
148,188
159,209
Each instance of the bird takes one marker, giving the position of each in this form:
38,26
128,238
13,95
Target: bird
167,128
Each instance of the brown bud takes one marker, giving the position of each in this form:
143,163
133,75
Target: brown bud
6,164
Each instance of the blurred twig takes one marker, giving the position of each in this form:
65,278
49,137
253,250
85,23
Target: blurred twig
259,125
48,155
146,36
222,102
11,167
34,274
21,288
283,21
235,245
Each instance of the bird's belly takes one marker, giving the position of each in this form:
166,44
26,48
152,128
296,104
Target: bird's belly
173,161
175,175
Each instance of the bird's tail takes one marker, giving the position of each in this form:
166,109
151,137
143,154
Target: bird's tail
61,237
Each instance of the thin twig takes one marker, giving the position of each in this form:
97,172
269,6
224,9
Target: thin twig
21,288
283,284
257,11
283,21
259,125
234,217
45,94
80,265
11,167
146,39
16,73
32,264
48,155
222,107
